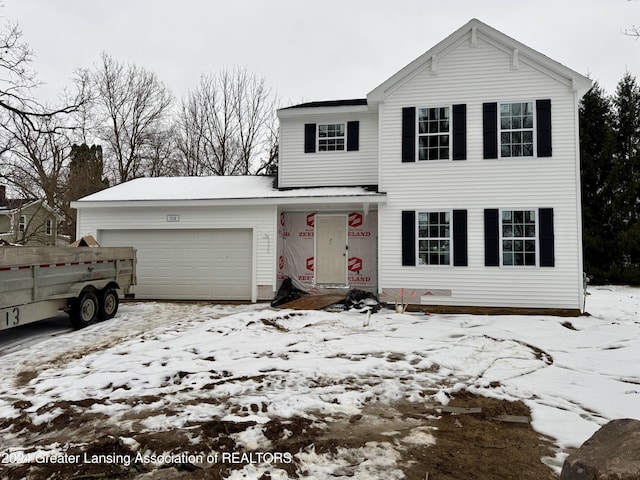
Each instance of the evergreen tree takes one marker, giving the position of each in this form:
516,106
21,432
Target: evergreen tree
86,176
625,180
596,153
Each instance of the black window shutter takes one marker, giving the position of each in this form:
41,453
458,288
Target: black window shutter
409,134
491,237
490,130
309,137
408,238
545,231
459,238
543,127
353,136
459,132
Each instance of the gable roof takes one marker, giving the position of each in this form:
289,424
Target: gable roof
18,205
473,30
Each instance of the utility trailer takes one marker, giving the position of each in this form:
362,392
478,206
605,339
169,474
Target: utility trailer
39,282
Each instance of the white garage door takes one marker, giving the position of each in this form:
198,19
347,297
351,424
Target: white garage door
189,264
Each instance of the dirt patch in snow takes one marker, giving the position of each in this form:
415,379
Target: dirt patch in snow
458,443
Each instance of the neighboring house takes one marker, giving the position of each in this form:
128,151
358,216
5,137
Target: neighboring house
27,221
453,184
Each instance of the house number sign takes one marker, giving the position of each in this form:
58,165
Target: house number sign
173,218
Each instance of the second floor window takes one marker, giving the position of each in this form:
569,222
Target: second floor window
22,224
49,227
516,129
331,137
433,133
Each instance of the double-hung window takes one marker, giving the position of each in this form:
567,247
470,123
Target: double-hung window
434,238
331,137
516,129
49,227
434,131
22,223
519,236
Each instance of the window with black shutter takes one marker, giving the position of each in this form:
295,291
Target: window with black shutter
434,238
512,129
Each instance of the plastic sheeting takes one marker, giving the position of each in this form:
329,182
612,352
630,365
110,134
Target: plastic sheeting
296,249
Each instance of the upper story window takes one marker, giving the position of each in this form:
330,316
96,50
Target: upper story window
434,238
49,227
433,133
331,137
437,133
516,129
22,223
518,233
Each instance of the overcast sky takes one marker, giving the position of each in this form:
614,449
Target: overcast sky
334,49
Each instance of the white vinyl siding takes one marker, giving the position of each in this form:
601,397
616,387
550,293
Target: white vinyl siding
473,75
337,168
259,219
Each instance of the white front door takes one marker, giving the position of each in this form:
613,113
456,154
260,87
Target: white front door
331,249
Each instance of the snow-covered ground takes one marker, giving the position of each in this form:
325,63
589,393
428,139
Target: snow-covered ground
575,374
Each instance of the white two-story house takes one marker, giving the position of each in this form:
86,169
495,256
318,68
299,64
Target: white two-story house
455,184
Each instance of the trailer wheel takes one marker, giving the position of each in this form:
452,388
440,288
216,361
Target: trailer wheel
108,304
84,310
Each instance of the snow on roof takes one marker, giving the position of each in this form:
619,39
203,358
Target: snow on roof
211,188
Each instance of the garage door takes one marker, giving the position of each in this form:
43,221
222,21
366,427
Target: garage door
189,264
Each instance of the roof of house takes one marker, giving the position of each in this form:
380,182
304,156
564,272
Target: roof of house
244,187
330,103
15,203
471,29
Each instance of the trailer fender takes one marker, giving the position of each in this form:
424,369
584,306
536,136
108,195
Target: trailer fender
76,289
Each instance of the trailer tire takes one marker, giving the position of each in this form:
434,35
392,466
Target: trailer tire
109,303
84,310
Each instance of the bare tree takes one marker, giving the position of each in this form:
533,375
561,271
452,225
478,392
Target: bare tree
226,124
38,158
207,130
131,105
254,108
633,31
161,153
17,82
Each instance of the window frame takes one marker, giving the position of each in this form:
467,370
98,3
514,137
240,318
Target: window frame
448,134
22,223
533,128
419,238
48,227
334,138
523,238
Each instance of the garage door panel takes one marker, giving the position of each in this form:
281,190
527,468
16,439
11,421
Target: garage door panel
189,264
